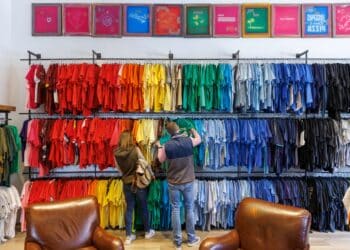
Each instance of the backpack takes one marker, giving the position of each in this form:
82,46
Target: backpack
143,174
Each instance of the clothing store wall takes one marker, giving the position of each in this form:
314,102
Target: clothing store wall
5,46
65,46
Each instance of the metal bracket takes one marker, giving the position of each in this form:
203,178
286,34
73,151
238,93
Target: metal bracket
96,56
235,56
171,55
30,54
306,52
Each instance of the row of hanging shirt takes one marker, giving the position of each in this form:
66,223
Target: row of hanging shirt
86,88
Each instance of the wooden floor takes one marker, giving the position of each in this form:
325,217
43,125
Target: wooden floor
162,241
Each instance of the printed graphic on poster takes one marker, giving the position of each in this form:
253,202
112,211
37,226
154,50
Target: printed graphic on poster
106,20
341,20
256,20
198,20
167,20
286,20
316,20
77,19
227,20
46,19
137,20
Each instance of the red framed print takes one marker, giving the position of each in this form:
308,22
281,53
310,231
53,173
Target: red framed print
46,19
341,20
107,20
226,20
316,20
167,20
286,20
137,20
77,19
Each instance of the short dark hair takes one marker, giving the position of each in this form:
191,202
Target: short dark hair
172,128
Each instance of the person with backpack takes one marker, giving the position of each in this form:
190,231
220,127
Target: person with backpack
178,151
134,170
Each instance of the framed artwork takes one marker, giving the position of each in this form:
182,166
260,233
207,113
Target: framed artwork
77,19
256,20
316,19
46,19
286,20
226,20
107,19
341,20
167,20
137,20
198,20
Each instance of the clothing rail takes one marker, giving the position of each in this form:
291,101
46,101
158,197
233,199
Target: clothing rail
178,114
96,56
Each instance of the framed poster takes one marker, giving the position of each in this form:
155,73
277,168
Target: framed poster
137,20
341,20
286,20
198,20
167,20
77,19
107,19
316,19
226,20
46,19
256,20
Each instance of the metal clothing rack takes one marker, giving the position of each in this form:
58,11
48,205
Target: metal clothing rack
97,56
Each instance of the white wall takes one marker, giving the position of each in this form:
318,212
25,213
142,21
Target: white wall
5,45
22,40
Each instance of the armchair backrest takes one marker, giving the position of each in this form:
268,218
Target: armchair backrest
64,224
265,225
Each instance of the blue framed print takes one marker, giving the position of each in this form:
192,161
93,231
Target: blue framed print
137,20
316,20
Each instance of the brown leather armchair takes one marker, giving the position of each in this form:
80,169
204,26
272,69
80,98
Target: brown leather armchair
262,225
68,225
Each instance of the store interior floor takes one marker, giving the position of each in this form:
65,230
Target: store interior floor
161,241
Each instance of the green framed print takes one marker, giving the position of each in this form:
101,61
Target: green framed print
256,20
198,20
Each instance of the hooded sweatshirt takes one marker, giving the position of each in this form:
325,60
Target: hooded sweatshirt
126,159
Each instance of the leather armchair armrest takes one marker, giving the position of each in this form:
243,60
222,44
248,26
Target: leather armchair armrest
105,241
229,241
31,246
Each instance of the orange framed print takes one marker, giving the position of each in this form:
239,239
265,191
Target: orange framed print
46,19
286,20
77,19
107,20
167,20
256,20
226,20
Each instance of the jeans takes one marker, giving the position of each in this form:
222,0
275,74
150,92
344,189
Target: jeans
175,192
130,198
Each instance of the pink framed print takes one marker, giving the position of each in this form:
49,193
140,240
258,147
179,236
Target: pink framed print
107,19
286,20
316,20
341,20
226,20
77,19
46,19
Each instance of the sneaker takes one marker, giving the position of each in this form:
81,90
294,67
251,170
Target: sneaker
195,242
150,234
178,247
129,239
